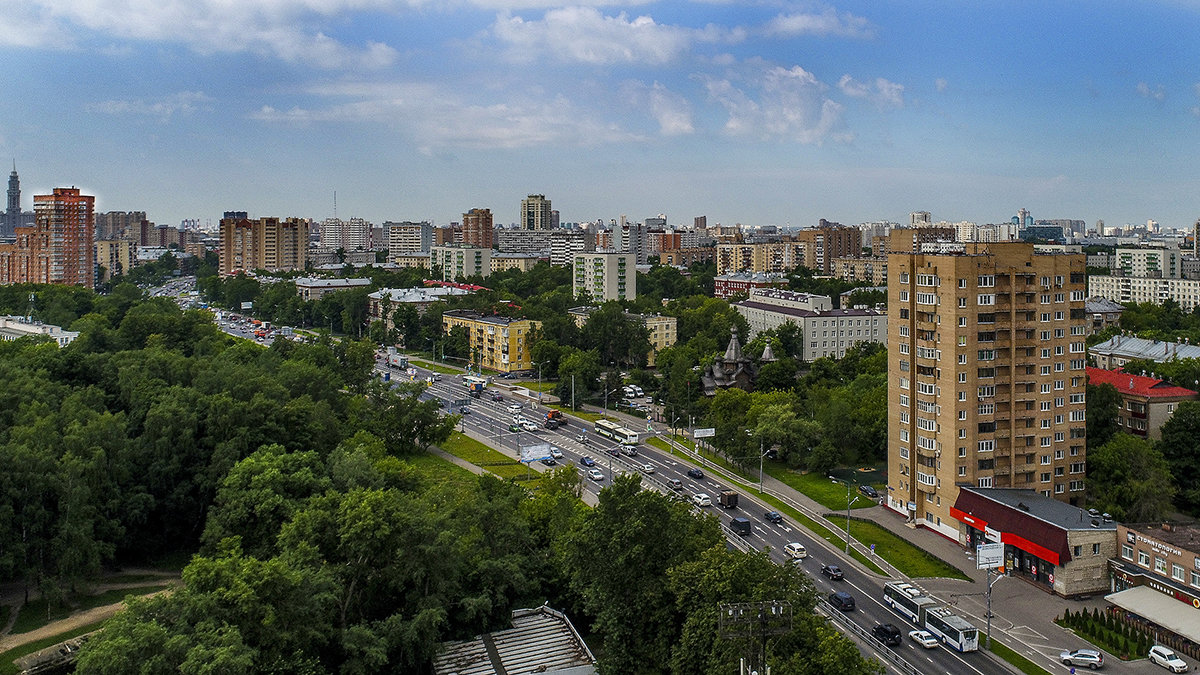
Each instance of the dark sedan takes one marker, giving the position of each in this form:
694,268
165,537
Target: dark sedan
772,517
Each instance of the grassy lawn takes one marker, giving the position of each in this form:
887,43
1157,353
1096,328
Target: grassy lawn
581,414
539,386
33,615
905,557
1022,664
481,455
440,471
436,367
7,667
829,494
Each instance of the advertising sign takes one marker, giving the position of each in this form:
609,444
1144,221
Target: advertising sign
704,433
989,556
532,453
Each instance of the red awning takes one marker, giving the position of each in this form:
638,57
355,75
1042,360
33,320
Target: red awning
974,521
1042,539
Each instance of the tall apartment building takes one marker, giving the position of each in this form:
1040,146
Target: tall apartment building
119,224
775,257
461,261
910,239
497,342
407,236
564,244
536,213
986,375
262,243
57,248
477,228
827,242
523,241
605,276
348,234
115,256
633,238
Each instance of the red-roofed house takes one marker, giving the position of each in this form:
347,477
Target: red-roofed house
1147,402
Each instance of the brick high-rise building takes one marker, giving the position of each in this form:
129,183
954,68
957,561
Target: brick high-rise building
828,242
986,375
262,243
477,228
57,248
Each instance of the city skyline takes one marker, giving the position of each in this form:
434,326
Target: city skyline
760,113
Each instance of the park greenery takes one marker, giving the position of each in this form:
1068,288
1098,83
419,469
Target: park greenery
320,539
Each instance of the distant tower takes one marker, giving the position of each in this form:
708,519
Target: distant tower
535,213
920,218
12,214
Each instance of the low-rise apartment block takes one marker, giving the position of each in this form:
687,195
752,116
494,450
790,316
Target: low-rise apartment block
1146,402
457,261
1121,349
662,330
309,288
498,343
605,276
1125,290
827,332
743,283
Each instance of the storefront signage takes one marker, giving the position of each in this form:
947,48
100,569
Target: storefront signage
1159,546
992,535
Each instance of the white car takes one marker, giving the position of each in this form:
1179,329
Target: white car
556,453
529,425
595,475
1167,659
647,468
701,499
923,638
795,551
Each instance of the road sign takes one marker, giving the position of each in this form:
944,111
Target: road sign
989,556
704,433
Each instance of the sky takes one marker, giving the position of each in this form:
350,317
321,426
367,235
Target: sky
751,112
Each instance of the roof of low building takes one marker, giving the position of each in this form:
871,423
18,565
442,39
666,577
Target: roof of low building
1141,348
808,313
541,640
310,282
1098,305
1140,385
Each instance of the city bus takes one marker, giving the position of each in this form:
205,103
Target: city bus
906,599
618,433
607,428
953,630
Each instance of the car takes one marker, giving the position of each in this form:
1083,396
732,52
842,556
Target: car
675,484
587,461
1167,659
551,424
514,428
437,377
773,517
582,438
614,451
629,451
695,473
842,600
549,461
795,550
465,410
924,638
647,468
595,475
529,425
833,572
868,491
556,453
701,499
514,408
497,396
887,633
1082,657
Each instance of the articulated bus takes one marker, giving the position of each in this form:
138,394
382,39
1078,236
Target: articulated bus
925,612
618,433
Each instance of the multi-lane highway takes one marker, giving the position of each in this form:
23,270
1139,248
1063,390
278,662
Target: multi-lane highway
489,419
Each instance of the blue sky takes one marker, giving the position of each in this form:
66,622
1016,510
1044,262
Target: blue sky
771,112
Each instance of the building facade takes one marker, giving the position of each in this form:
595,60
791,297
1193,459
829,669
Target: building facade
1118,350
515,261
826,332
986,375
770,258
536,213
314,289
498,343
1125,290
1102,313
828,242
14,327
872,270
1146,402
564,244
686,257
408,237
477,228
605,276
461,261
523,241
115,256
743,283
420,260
1155,581
58,248
262,243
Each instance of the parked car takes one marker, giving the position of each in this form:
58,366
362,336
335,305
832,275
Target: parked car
595,475
887,633
842,600
924,638
695,473
868,491
1082,657
795,551
587,461
773,517
701,499
1167,659
833,572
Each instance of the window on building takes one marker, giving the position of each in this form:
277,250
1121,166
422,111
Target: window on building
1160,564
1143,559
1177,572
1095,549
1127,551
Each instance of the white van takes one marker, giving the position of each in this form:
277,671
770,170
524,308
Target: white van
515,408
701,499
795,551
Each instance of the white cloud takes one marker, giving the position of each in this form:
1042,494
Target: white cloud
940,84
882,92
287,29
585,35
672,111
768,101
182,103
829,22
1156,92
435,118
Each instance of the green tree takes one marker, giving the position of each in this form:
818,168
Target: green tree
1178,447
1129,478
1103,404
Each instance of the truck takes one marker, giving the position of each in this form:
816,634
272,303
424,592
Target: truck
728,499
556,416
740,526
475,385
396,359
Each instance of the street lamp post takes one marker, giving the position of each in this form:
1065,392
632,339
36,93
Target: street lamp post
540,380
849,503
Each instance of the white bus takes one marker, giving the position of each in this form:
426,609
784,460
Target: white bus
953,630
613,430
906,599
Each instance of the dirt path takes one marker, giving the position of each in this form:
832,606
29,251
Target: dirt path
81,618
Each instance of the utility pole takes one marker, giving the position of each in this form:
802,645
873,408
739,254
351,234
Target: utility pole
754,622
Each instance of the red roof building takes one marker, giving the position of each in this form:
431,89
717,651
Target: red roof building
1146,402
